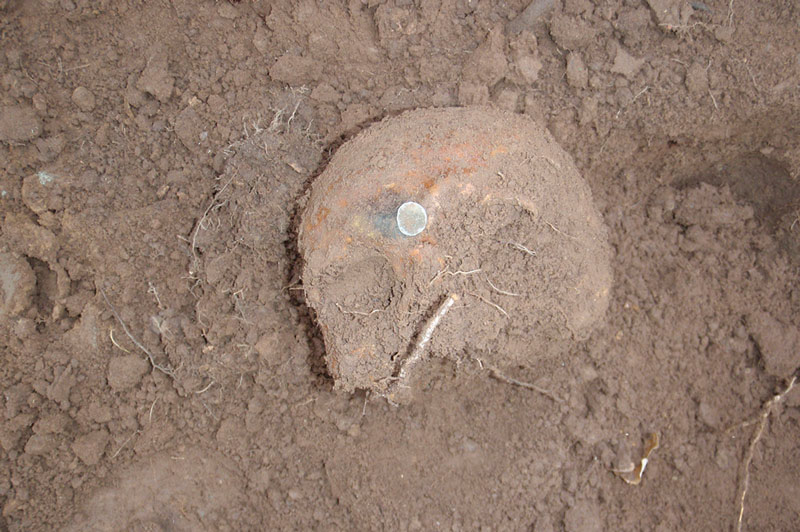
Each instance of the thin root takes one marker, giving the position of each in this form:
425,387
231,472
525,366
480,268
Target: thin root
210,411
151,289
201,221
111,335
357,312
517,245
209,385
499,291
124,444
439,274
636,97
163,369
495,305
150,418
497,374
559,231
762,418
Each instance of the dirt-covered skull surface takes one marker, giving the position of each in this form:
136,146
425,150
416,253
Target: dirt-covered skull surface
474,209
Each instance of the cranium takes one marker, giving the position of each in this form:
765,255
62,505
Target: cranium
509,229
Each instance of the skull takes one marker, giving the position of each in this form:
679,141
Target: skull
478,204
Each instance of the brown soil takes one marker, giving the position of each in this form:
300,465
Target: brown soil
160,367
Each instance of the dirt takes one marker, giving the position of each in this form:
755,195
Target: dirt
162,369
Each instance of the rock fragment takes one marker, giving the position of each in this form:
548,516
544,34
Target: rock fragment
84,99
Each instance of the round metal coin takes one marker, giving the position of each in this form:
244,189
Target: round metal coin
411,218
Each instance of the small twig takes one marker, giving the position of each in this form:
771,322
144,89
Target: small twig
462,272
796,220
763,416
509,380
425,337
399,380
297,285
547,159
276,121
153,363
161,325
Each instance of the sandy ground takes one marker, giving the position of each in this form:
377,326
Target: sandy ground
162,371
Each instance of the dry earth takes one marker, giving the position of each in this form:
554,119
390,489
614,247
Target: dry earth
161,371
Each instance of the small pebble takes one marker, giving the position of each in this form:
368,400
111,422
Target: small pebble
84,99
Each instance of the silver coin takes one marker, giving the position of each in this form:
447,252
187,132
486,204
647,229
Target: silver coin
411,218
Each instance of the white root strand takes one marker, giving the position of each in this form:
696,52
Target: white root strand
425,337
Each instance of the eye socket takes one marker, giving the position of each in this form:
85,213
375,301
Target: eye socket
361,288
